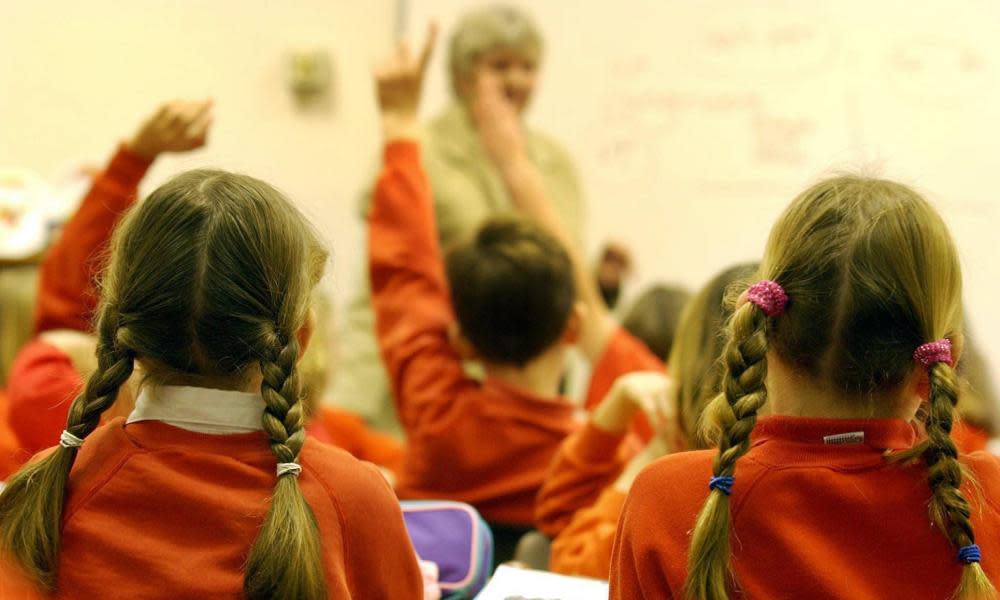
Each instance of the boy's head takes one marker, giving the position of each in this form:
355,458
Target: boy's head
512,290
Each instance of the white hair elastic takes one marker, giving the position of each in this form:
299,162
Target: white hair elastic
68,440
289,468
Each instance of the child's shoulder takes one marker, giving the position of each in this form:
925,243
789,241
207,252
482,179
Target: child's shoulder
680,468
985,470
682,476
105,447
342,475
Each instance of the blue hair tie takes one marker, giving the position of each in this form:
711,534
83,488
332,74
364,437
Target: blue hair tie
723,483
969,554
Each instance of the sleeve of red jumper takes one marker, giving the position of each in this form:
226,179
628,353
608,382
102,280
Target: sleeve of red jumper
67,296
623,354
409,291
584,547
588,461
41,385
378,552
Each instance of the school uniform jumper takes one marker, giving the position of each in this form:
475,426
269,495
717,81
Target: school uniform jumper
813,516
591,459
485,443
168,504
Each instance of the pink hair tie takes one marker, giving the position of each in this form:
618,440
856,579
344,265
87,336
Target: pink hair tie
768,296
934,352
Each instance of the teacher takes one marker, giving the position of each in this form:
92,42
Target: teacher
466,185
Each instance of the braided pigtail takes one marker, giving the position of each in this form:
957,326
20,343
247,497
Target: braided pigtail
743,387
32,503
286,558
949,509
745,358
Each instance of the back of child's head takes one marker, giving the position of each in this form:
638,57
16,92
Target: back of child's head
694,356
654,316
512,290
871,274
208,283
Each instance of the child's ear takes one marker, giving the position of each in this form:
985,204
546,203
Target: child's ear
460,343
574,323
305,333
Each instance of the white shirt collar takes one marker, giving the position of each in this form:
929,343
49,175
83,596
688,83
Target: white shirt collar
203,410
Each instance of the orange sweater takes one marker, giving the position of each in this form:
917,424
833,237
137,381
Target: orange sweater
578,504
488,444
810,520
154,511
43,380
588,462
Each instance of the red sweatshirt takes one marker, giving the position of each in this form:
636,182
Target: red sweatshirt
488,444
578,504
11,455
42,380
153,511
810,519
588,463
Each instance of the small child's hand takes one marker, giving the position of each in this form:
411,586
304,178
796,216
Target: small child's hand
497,121
648,391
177,126
398,82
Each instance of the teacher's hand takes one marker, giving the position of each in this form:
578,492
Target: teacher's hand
497,122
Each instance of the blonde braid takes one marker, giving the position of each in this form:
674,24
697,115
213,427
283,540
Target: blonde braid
949,509
745,359
290,529
32,503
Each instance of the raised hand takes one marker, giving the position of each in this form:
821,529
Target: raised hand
177,126
496,119
647,391
398,84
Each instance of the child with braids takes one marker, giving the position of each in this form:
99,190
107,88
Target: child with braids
855,321
210,488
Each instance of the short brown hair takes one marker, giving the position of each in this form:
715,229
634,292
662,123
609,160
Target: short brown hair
512,289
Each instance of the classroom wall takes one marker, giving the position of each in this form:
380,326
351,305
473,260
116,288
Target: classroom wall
692,123
76,77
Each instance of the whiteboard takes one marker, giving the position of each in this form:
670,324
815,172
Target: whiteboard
693,124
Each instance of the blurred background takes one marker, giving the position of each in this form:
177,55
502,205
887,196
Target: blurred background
692,124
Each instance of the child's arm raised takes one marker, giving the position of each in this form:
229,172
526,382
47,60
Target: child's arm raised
500,132
67,295
409,290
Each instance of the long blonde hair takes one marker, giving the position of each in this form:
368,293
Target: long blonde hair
209,279
871,273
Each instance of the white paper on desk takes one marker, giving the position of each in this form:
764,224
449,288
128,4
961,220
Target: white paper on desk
509,583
